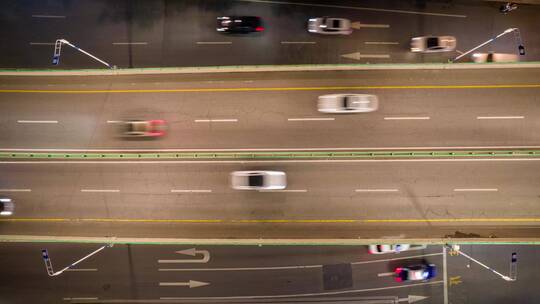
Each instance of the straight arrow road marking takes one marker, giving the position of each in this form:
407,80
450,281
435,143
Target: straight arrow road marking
190,284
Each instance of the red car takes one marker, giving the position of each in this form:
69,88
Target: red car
145,128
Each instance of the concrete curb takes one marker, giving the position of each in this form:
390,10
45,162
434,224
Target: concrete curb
260,242
267,68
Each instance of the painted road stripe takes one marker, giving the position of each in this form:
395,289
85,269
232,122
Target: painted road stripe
130,43
298,42
101,190
381,42
275,149
312,119
366,25
408,118
114,121
15,190
42,43
127,162
357,8
476,190
38,121
191,191
213,42
500,117
48,16
270,89
79,299
376,190
385,274
82,269
281,221
285,190
216,120
299,295
290,267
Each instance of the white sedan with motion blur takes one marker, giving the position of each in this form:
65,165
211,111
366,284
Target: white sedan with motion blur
330,26
258,180
348,103
433,44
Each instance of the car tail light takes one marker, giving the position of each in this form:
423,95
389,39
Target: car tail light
259,29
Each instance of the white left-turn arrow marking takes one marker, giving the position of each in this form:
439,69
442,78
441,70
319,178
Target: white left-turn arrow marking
191,252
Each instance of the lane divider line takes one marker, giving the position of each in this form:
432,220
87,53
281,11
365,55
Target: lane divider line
270,89
376,190
38,121
312,119
213,42
130,43
191,191
286,190
216,120
476,190
48,16
381,42
408,118
500,117
15,190
298,42
101,190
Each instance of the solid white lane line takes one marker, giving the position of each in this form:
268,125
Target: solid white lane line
15,190
356,8
81,269
385,274
130,43
272,149
380,42
312,119
128,162
47,16
299,295
38,121
376,190
101,190
42,43
476,190
216,120
285,190
114,121
500,117
298,42
396,259
407,118
240,268
213,42
191,191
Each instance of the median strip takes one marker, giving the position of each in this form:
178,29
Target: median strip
274,155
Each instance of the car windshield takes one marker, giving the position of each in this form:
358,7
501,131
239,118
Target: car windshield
349,102
335,23
255,180
432,42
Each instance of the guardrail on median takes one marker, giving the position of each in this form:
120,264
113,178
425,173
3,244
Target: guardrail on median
272,155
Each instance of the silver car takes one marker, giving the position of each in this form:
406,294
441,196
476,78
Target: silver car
433,44
330,26
494,57
258,180
6,206
348,103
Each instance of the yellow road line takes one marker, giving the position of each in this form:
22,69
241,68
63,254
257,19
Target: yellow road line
188,90
273,221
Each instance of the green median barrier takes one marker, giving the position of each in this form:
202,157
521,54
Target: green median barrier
274,155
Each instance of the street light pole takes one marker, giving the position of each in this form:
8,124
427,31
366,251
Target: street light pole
510,30
58,49
455,248
48,263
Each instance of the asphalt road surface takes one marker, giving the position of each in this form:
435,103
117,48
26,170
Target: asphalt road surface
434,108
248,274
182,33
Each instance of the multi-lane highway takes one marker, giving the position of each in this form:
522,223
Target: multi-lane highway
346,199
182,33
248,274
418,108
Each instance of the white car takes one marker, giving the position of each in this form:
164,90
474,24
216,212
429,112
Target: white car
386,248
494,57
433,44
6,206
258,180
330,26
347,103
